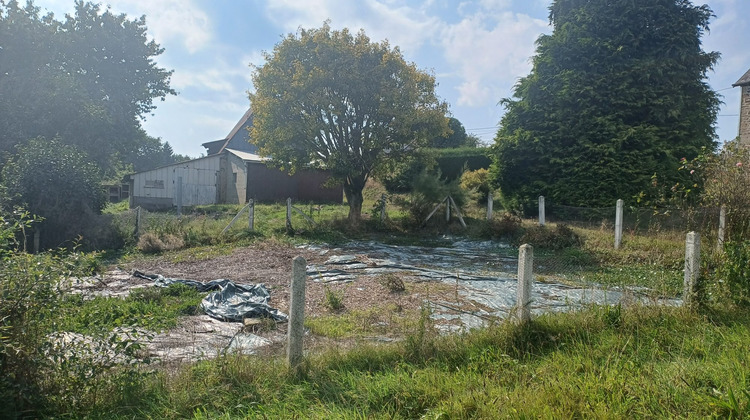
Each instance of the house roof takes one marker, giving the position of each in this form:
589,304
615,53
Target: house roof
249,157
744,80
225,141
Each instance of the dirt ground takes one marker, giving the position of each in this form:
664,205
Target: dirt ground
271,264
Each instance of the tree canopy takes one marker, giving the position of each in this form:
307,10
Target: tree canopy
617,95
87,80
457,137
336,100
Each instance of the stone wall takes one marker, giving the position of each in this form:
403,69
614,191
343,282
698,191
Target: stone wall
745,116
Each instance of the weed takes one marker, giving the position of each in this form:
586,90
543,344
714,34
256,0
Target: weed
392,282
334,299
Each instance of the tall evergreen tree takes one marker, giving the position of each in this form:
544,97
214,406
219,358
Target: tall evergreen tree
617,94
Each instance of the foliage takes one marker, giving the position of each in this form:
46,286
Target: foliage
477,181
505,225
392,282
456,138
334,299
87,79
150,243
733,274
428,190
727,183
559,237
450,162
617,94
58,183
340,101
33,365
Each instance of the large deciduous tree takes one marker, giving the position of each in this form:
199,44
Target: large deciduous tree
87,80
337,100
617,94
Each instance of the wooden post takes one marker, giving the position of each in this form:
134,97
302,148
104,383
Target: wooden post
178,195
288,215
448,210
525,280
541,210
722,227
618,224
692,267
251,215
489,206
296,329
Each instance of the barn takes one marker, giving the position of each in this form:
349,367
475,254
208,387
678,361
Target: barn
230,174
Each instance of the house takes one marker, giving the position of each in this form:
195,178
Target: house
231,173
744,84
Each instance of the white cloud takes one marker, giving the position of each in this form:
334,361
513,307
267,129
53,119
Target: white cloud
403,26
490,52
167,20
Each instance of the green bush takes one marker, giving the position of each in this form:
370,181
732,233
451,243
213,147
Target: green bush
506,225
427,191
58,183
733,273
559,237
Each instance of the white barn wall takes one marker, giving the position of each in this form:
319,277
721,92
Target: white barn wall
157,188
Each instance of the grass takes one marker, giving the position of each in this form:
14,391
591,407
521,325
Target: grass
152,308
601,362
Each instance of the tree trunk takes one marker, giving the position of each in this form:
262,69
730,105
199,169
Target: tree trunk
353,193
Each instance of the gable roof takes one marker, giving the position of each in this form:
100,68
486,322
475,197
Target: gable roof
744,80
218,146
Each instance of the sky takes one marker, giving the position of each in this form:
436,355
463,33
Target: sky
476,49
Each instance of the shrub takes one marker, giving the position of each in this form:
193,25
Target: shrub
477,181
560,237
733,273
428,190
334,300
504,225
151,243
392,282
58,183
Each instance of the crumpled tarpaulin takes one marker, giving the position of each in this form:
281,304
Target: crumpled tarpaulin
229,301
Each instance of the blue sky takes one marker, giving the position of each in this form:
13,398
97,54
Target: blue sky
477,50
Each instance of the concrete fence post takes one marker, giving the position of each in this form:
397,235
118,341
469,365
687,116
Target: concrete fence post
137,232
722,228
37,239
618,224
489,206
251,215
178,195
525,280
289,214
382,208
692,266
296,330
541,210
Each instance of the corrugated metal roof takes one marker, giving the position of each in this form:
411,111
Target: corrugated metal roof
247,156
744,80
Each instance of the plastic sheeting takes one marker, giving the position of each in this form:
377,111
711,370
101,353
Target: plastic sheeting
228,301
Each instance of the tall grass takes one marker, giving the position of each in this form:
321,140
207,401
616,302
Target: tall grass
601,362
